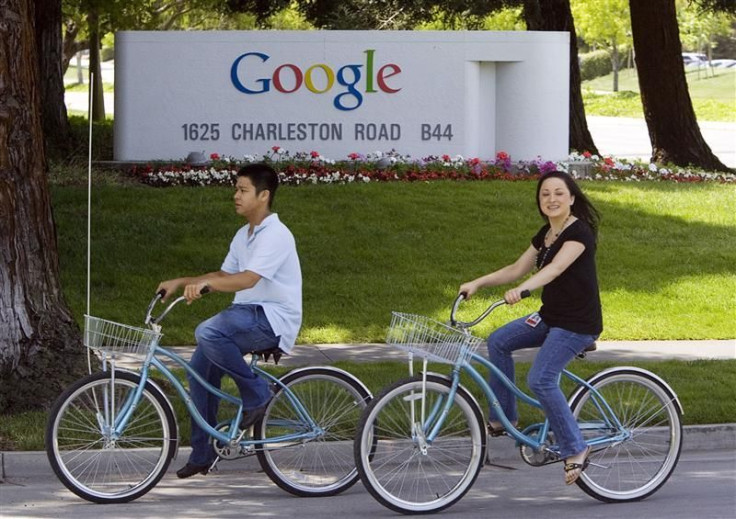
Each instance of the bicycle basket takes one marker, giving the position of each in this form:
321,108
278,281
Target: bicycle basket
430,339
115,339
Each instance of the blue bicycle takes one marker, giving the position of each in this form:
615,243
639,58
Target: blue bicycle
111,435
422,442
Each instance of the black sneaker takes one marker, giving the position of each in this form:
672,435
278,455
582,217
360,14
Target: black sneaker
252,416
190,470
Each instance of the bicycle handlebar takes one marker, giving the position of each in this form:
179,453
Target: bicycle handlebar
463,295
150,319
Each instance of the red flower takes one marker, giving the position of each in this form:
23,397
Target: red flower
502,155
587,154
214,156
446,158
314,154
608,161
353,156
275,148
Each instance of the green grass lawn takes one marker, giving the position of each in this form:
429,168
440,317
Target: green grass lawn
666,254
713,93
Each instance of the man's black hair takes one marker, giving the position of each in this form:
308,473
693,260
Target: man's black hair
262,176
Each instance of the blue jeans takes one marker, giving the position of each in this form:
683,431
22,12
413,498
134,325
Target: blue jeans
557,348
222,341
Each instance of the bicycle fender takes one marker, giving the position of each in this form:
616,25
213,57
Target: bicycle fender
593,379
334,370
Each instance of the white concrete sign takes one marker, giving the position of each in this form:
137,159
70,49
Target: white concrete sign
339,92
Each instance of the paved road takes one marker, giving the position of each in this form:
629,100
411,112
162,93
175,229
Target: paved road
703,486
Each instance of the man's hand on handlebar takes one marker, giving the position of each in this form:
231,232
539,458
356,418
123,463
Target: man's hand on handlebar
168,288
195,291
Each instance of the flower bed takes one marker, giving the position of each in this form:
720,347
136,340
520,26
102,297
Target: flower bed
312,168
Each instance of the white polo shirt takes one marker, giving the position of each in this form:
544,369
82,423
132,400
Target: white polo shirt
270,252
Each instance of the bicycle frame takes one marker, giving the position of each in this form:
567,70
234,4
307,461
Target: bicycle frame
432,422
233,437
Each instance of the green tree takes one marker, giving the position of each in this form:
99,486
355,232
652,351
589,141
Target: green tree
668,109
606,24
699,28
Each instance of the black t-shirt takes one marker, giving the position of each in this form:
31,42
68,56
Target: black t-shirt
571,301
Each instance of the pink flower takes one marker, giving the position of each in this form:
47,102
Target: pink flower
587,154
446,158
608,161
314,154
502,155
354,156
214,156
275,148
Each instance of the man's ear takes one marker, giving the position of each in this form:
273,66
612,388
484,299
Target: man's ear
264,195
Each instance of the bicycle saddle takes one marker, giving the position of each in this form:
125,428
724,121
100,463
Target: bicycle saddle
592,347
266,354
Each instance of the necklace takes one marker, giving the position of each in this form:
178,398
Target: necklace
540,262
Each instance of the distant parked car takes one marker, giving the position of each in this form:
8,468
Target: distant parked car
694,58
723,63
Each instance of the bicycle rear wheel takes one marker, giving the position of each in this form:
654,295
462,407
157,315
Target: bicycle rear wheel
648,410
92,462
322,465
398,467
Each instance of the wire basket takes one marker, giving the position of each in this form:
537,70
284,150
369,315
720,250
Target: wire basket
116,339
430,339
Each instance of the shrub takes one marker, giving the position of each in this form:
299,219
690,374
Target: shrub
102,138
595,64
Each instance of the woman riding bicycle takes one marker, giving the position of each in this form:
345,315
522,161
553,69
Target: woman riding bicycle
570,320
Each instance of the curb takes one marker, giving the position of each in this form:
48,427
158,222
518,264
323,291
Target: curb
32,464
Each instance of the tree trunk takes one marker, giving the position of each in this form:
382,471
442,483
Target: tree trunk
70,45
615,65
668,110
98,96
54,119
40,347
555,15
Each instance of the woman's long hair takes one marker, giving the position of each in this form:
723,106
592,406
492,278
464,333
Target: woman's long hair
581,209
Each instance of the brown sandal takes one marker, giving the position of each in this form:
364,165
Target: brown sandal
569,467
494,432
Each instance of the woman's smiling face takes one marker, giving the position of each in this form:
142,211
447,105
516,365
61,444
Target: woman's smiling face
555,199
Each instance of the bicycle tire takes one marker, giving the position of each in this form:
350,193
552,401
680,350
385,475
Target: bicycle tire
91,463
648,409
388,453
322,466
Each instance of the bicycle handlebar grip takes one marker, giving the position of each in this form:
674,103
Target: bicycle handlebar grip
205,290
525,294
161,293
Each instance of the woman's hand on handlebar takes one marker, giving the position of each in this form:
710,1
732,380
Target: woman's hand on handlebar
515,295
468,289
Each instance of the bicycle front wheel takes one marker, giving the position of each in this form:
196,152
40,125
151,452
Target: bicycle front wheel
399,467
94,462
316,461
647,409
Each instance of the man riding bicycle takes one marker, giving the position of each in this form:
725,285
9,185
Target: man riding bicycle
262,269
